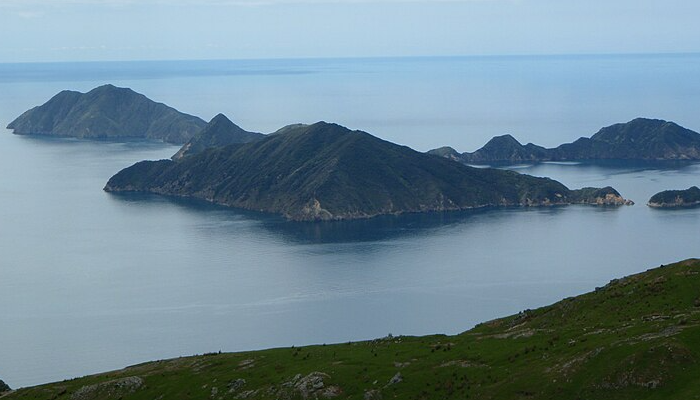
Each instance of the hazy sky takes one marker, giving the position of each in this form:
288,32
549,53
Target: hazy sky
67,30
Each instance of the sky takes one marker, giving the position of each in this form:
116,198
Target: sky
101,30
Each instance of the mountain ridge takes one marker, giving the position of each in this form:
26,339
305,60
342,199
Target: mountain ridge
220,131
638,139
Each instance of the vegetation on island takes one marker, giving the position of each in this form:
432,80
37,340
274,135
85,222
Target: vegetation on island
325,171
639,139
635,338
220,131
676,198
107,112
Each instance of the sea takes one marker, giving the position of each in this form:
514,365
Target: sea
92,281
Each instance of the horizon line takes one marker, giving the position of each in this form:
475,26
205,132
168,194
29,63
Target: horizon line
390,57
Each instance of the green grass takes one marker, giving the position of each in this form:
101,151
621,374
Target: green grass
636,338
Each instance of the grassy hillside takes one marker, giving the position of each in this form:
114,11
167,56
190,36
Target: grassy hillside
636,338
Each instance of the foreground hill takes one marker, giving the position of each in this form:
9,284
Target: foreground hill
676,198
107,112
325,171
220,131
3,387
636,338
639,139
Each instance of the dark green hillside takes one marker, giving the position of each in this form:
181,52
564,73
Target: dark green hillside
3,387
220,131
325,171
676,198
636,338
639,139
289,128
107,112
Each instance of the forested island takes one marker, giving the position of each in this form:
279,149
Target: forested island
327,172
639,139
107,112
303,172
676,198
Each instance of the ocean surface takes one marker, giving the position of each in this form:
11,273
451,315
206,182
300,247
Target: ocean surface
91,281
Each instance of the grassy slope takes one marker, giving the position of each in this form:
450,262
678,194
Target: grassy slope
635,338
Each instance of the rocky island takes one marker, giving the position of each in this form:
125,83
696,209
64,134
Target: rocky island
676,198
639,139
107,112
327,172
632,339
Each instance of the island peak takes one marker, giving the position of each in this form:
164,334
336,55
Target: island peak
107,112
638,139
220,131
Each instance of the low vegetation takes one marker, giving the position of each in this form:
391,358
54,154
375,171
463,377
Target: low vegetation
635,338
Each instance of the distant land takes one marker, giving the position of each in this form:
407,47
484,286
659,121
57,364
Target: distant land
676,198
327,172
635,338
107,112
639,139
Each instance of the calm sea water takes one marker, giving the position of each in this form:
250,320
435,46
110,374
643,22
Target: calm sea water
91,281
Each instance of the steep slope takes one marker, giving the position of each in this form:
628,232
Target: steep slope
635,338
676,198
3,387
325,171
107,112
220,131
639,139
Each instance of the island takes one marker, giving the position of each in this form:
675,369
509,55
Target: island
327,172
220,131
634,338
676,198
639,139
107,112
